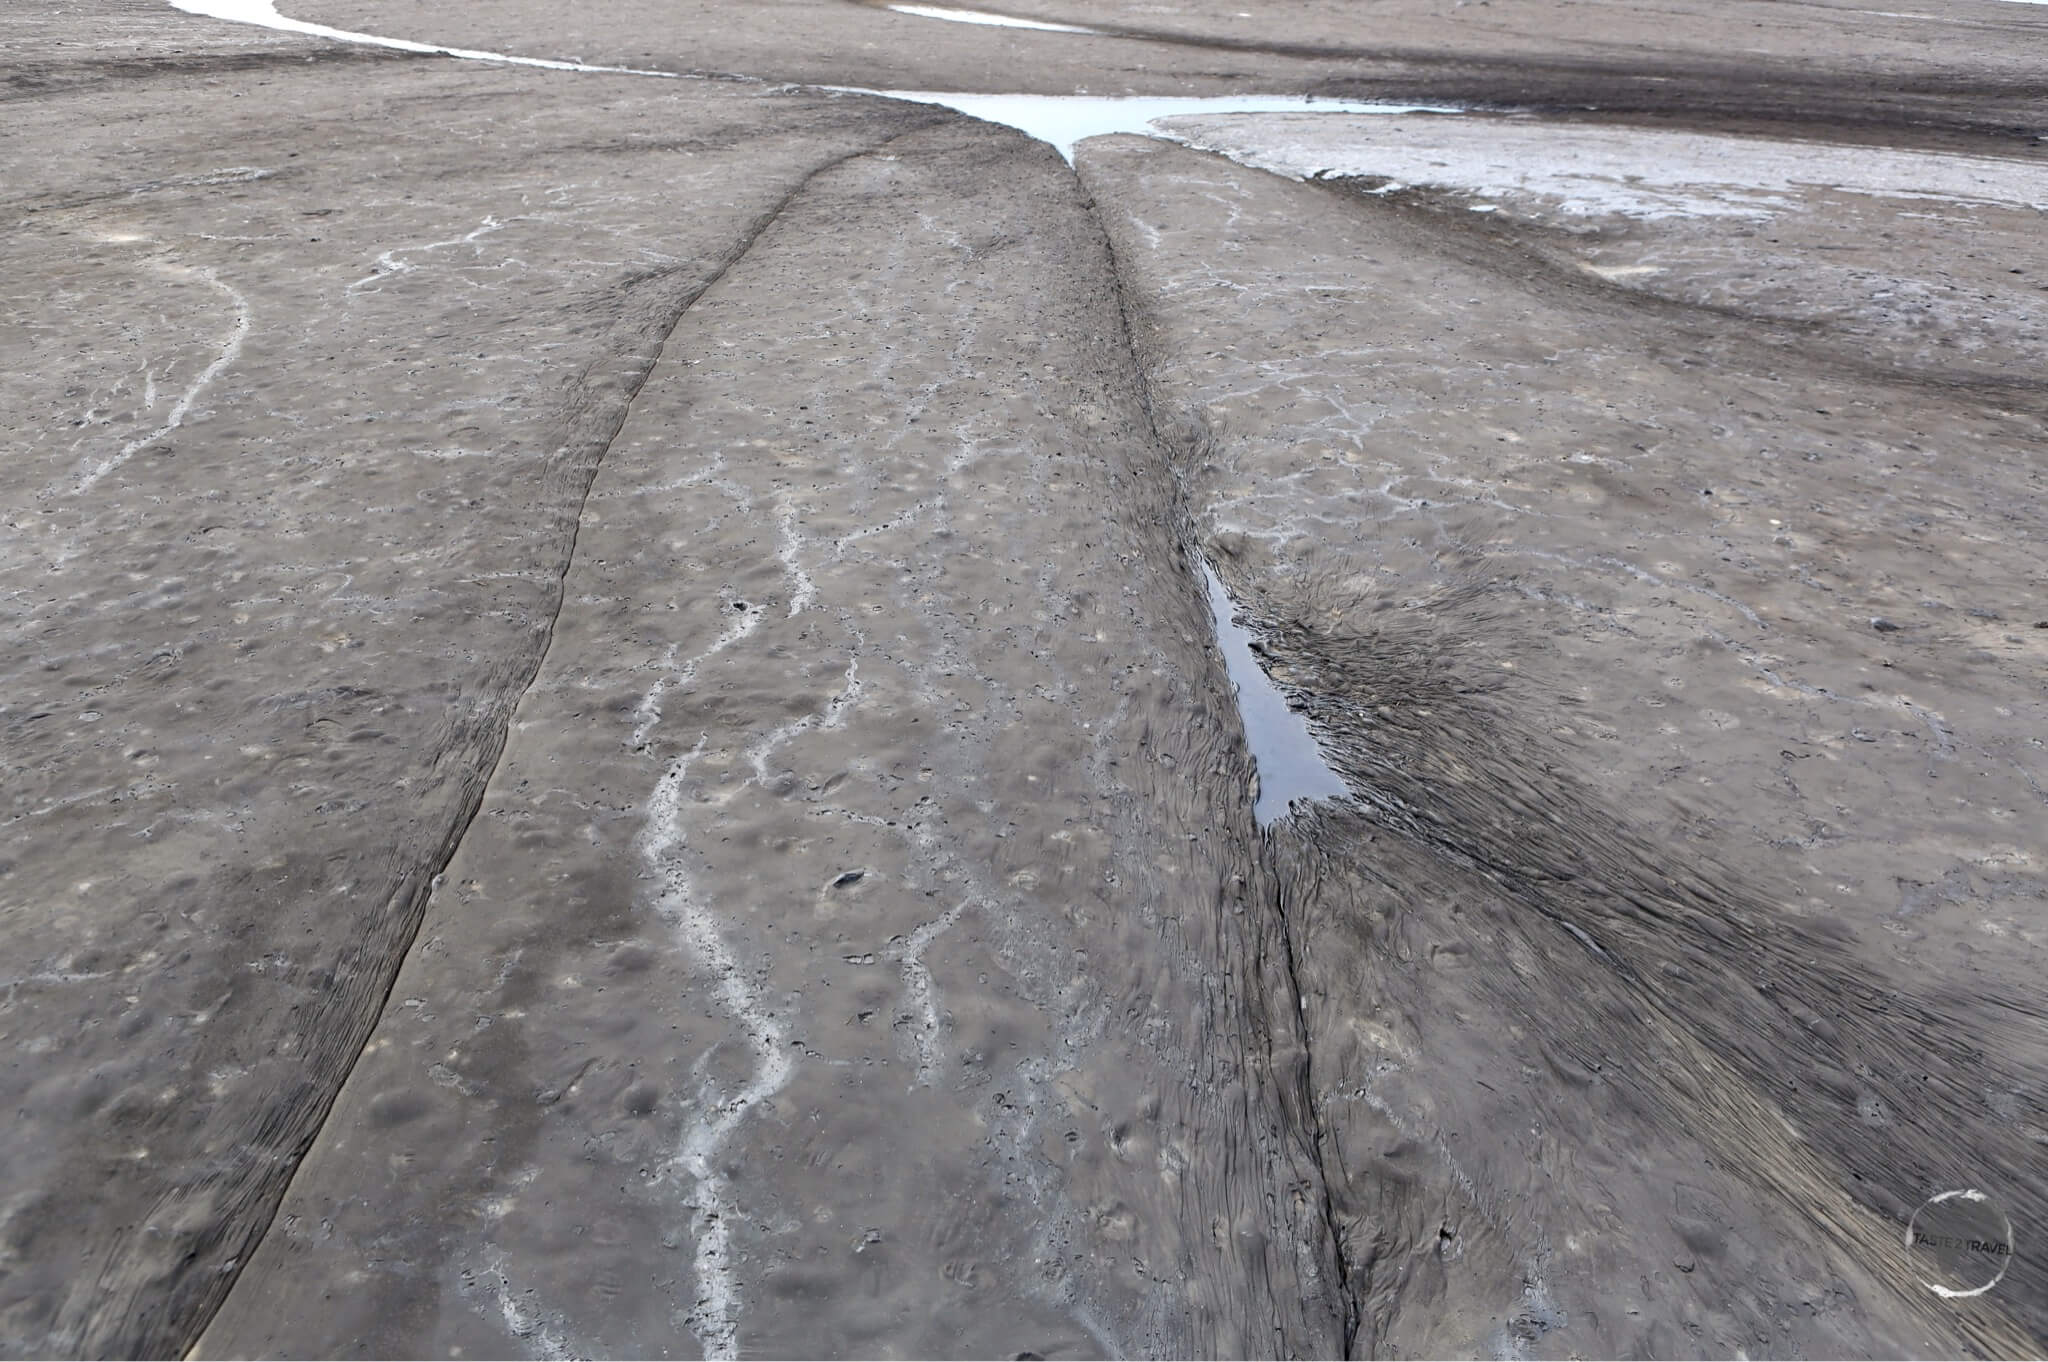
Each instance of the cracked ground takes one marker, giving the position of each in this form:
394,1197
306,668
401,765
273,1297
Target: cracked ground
613,742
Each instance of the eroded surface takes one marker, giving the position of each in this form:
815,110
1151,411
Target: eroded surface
838,826
615,741
1633,654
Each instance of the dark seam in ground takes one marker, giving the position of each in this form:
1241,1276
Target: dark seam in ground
1647,895
1564,854
453,844
1189,437
1312,1105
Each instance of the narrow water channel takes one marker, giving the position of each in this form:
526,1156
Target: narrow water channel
1289,760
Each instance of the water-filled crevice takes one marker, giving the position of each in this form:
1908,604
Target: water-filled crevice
1290,763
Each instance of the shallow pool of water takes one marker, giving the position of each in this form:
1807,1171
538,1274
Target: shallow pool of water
977,16
1290,762
1064,120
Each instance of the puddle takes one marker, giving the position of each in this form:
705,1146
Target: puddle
263,13
977,16
1064,120
1290,762
1061,120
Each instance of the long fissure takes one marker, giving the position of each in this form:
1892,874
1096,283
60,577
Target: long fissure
604,398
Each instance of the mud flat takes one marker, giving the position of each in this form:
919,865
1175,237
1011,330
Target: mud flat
1676,648
863,822
621,696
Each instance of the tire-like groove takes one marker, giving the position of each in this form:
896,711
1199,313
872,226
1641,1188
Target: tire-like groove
1469,782
1183,443
1312,1109
603,401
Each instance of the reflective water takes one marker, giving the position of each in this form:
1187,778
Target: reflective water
977,16
1059,119
1064,120
1291,764
263,13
